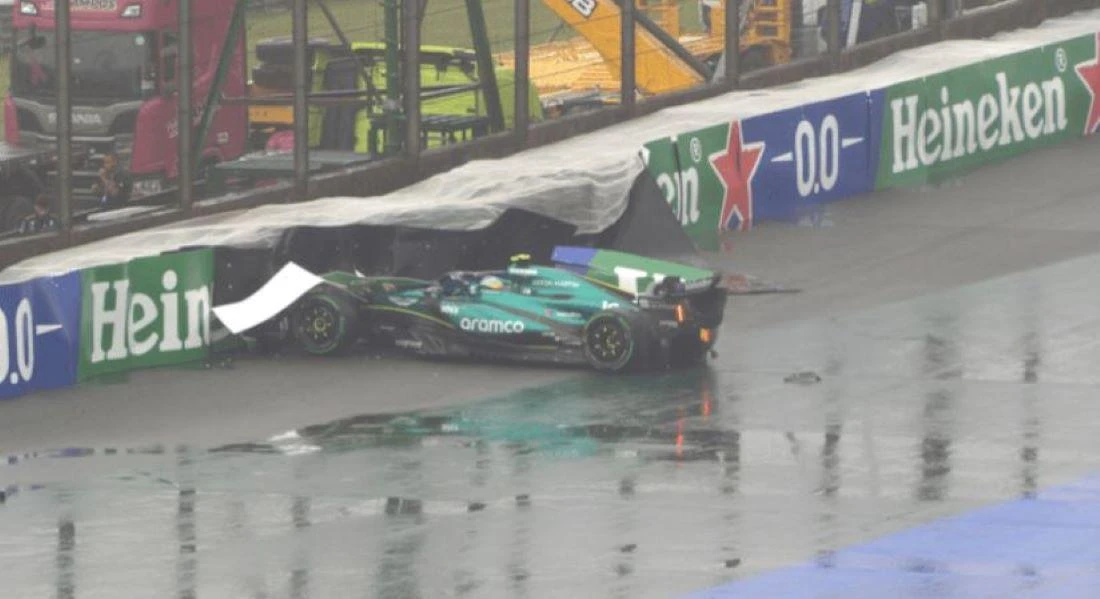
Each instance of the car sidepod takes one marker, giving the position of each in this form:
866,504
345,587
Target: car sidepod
514,326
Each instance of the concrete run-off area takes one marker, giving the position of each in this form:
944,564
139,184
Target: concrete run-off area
909,423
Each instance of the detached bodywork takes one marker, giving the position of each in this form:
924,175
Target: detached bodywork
610,310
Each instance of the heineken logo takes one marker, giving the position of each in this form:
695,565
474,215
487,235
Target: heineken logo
681,191
736,165
126,322
925,135
147,312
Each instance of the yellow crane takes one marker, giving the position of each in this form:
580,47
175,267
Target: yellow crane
591,61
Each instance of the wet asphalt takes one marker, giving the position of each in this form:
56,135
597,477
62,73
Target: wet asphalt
939,358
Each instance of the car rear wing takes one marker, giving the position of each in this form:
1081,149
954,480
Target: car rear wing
633,274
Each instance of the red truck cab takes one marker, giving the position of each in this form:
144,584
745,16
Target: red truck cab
124,84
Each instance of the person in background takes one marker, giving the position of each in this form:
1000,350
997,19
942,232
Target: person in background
42,220
114,185
706,16
705,7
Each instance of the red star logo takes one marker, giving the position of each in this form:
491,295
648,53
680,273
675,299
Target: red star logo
735,167
1089,72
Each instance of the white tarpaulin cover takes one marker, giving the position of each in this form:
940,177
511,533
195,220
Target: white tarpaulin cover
583,181
289,284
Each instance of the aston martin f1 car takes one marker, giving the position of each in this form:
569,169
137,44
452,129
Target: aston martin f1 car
611,310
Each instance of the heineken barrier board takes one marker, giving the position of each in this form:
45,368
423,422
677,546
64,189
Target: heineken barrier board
39,334
959,119
679,167
148,312
777,166
769,167
811,154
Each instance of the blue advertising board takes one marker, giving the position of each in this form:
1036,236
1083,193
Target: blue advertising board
814,154
39,334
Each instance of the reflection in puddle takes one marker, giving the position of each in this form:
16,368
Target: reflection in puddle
66,559
677,426
636,487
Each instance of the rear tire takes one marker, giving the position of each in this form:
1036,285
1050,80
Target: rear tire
687,352
617,341
325,324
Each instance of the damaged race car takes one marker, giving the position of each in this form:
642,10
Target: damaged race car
613,311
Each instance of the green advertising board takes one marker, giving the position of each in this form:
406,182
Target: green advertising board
148,312
954,121
682,168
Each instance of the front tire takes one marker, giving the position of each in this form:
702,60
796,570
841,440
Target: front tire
617,341
326,324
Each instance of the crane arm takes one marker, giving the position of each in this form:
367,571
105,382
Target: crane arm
659,69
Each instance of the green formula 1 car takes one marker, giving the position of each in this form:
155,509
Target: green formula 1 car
613,311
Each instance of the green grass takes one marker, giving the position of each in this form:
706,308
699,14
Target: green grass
445,22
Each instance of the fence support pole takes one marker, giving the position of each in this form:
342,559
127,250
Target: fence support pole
732,73
523,69
185,110
628,77
63,64
410,45
300,28
832,10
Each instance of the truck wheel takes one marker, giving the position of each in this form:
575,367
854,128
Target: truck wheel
274,76
326,324
16,208
617,341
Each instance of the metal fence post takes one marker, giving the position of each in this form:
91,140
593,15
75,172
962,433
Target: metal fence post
300,27
523,69
486,75
732,51
185,110
391,107
832,10
628,76
935,16
411,67
63,63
